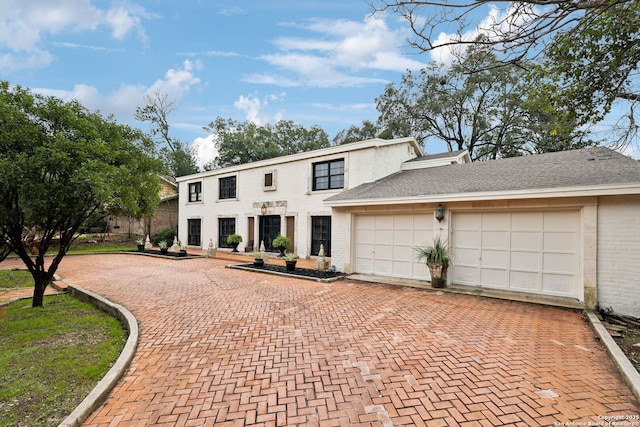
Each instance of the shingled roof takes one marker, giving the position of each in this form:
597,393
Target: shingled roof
588,167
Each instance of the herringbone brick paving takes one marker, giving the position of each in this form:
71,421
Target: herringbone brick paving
232,348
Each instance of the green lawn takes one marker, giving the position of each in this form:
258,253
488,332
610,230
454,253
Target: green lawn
12,279
52,357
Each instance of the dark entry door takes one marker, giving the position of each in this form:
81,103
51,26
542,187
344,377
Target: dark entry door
269,230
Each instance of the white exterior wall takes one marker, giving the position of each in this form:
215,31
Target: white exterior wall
293,194
619,254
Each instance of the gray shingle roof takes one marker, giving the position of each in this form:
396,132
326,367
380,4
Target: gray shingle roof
575,168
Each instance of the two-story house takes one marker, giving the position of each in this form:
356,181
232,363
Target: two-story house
284,195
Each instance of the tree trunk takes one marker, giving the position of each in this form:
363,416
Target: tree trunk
41,283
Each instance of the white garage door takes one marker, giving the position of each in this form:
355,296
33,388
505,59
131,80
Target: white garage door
384,244
536,252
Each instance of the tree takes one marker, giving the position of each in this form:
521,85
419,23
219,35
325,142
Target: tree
592,48
473,105
178,156
354,133
60,163
243,142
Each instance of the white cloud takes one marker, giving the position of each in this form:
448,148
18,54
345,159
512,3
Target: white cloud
123,102
205,149
254,108
343,49
25,27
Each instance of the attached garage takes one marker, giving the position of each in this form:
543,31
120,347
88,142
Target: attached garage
536,252
560,226
384,244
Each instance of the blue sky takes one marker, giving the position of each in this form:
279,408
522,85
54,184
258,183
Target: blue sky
314,62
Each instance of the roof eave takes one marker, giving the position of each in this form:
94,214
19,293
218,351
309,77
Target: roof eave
600,190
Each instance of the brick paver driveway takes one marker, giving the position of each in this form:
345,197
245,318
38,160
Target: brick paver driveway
231,348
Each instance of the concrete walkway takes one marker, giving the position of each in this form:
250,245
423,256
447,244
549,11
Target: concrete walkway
234,348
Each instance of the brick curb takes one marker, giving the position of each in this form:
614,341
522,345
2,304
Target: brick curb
106,384
628,371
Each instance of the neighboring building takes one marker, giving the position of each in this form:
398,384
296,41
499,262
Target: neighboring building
165,216
264,199
563,224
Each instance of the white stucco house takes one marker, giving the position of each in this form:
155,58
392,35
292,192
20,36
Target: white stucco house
285,195
561,225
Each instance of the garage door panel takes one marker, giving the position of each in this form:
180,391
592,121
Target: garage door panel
491,258
468,239
526,221
524,281
559,263
402,237
557,283
465,275
495,239
494,278
496,222
535,252
559,241
527,261
525,240
560,221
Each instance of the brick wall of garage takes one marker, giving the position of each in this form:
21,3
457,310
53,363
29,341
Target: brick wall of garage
619,254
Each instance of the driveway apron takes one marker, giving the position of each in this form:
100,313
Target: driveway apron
226,347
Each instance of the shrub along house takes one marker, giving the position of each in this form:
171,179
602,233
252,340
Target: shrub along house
564,225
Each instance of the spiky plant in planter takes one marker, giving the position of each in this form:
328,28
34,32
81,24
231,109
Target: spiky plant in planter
234,240
437,256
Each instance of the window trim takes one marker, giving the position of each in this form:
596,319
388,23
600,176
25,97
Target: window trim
198,194
273,186
328,176
235,187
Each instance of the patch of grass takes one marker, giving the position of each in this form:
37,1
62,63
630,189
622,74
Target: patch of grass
12,279
52,357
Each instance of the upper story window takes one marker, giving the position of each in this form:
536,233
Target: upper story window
269,180
328,175
228,188
195,192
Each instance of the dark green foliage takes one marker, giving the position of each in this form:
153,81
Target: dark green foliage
238,143
166,235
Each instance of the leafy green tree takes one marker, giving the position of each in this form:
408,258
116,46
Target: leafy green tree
60,163
244,142
590,49
179,157
474,104
368,130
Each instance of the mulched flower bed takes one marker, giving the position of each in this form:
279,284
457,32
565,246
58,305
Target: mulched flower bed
168,254
304,273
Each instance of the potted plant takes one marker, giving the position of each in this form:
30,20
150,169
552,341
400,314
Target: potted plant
290,261
258,260
163,246
234,240
140,244
437,257
281,243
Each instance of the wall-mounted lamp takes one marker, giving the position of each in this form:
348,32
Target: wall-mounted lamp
439,212
263,209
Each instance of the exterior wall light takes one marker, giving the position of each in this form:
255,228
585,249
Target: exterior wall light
263,209
439,212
